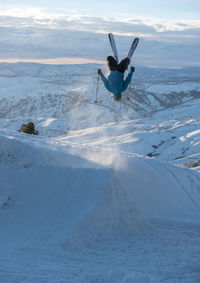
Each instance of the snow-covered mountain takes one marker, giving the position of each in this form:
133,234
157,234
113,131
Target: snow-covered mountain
108,191
29,90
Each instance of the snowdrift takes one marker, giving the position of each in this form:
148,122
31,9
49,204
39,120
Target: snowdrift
77,206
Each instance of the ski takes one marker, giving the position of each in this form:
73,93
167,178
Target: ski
133,47
113,46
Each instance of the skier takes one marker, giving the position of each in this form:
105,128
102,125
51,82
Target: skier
115,82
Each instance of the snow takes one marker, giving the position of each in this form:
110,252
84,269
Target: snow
107,192
170,88
88,207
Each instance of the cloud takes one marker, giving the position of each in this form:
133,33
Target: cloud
38,17
33,33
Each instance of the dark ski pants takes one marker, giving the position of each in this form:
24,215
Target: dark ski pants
121,67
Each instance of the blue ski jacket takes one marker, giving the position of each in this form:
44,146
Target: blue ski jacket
115,82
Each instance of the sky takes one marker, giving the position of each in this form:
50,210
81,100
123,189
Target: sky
168,9
169,31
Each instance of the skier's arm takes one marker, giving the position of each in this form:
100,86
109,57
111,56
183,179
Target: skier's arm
128,79
105,81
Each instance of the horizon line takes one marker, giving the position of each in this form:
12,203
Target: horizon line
54,61
81,61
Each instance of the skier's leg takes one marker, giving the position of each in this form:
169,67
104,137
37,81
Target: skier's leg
112,63
123,65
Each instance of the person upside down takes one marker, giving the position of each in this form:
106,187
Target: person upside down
115,82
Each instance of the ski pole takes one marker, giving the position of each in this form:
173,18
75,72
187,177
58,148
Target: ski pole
97,89
130,85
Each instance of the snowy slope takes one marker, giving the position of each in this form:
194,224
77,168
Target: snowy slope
101,194
47,202
32,90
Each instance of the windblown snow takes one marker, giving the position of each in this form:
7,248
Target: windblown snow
108,191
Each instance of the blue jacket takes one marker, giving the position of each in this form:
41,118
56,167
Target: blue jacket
116,83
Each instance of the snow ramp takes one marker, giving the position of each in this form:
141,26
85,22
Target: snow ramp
66,205
52,204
